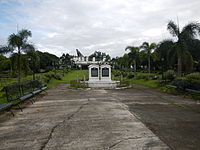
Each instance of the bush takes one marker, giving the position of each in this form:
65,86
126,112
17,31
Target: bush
195,85
181,83
193,76
118,73
46,77
146,76
131,75
43,79
194,79
57,76
53,75
169,75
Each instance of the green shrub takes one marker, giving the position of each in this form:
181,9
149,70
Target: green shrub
49,75
193,76
181,83
169,75
194,85
46,77
53,75
43,79
146,76
131,75
118,73
57,76
194,79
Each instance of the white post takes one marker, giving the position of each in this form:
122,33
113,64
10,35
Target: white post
93,59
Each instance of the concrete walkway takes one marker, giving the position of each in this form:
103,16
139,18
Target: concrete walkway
84,119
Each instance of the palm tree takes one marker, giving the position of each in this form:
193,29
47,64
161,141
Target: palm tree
134,53
189,32
148,48
18,42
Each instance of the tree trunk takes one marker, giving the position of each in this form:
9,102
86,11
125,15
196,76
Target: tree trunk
179,66
33,75
149,65
134,63
19,66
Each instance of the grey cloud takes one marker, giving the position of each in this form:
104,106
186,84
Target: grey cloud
61,26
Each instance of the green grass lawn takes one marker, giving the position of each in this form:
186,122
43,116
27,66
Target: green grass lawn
70,76
154,84
149,83
10,81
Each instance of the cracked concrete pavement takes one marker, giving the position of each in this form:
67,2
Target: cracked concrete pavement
92,119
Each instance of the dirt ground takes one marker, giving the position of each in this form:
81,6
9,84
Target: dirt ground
98,119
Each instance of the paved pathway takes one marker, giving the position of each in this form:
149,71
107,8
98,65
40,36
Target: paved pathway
85,119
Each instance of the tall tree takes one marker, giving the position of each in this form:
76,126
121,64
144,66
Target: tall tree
34,60
134,54
99,56
189,32
163,50
18,42
148,48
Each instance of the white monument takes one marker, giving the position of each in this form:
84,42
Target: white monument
99,71
102,78
105,72
93,73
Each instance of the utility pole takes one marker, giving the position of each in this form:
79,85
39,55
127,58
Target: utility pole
17,28
178,24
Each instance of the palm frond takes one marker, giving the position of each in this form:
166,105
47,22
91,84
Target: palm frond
145,46
190,30
27,47
132,48
173,29
128,48
153,46
24,34
5,49
14,41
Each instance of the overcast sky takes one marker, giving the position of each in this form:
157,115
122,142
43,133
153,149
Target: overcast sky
61,26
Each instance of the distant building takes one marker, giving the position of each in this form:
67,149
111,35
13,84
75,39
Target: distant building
82,61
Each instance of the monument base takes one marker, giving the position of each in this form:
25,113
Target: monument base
103,84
